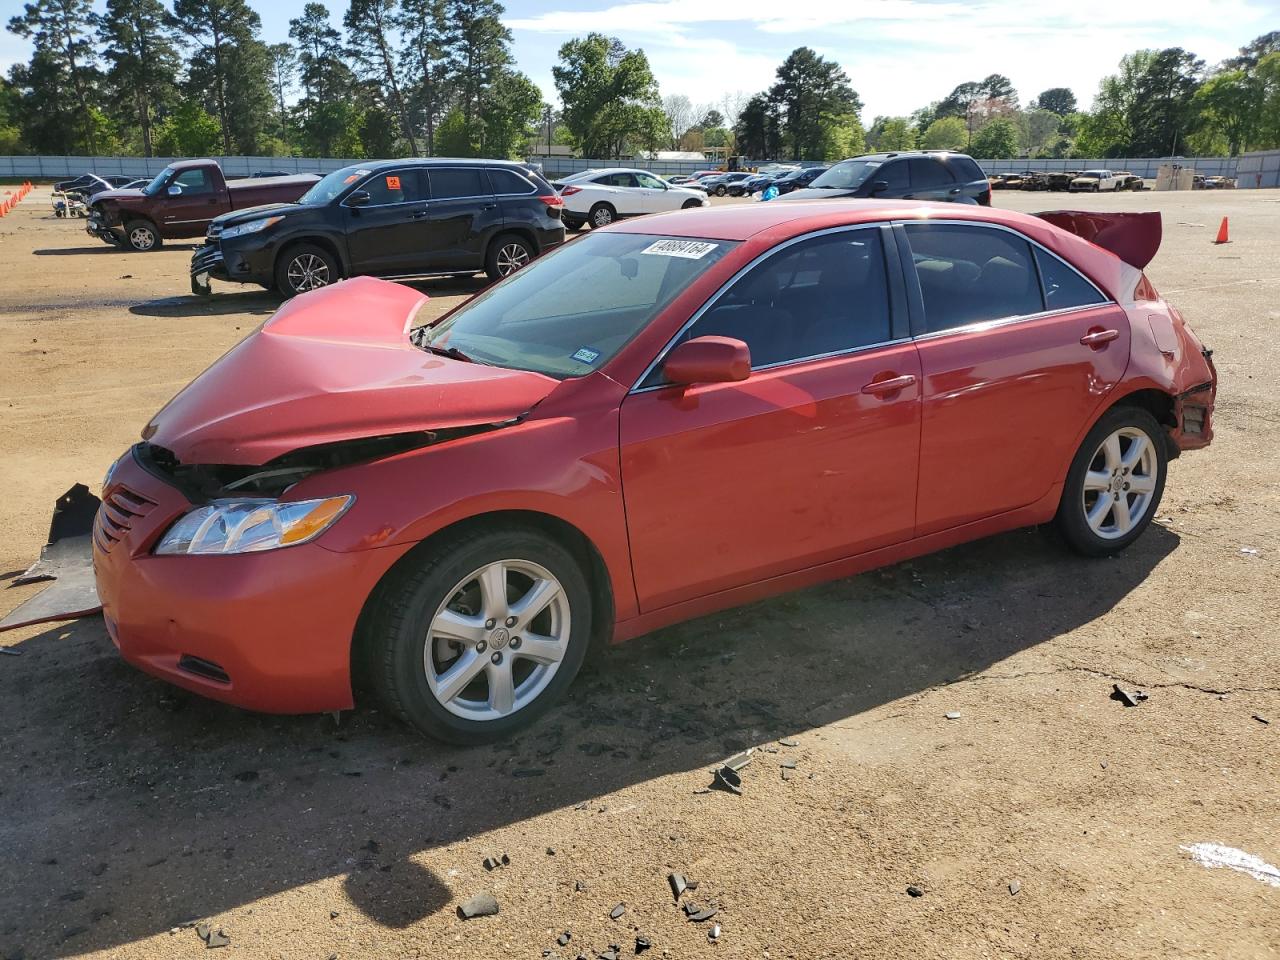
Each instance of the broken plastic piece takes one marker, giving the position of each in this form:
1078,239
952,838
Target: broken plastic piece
481,905
727,778
617,911
564,938
642,944
678,884
67,559
705,914
1129,699
738,760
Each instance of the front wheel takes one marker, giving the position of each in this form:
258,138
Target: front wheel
1115,483
303,268
480,636
690,204
507,254
141,236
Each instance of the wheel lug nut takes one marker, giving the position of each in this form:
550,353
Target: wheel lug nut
511,621
515,643
481,647
488,624
1126,486
496,658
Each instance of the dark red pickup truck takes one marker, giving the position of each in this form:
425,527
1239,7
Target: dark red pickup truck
181,201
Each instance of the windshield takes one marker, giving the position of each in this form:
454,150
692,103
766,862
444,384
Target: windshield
1089,175
571,311
157,184
332,185
846,175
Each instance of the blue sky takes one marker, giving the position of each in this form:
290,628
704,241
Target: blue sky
900,54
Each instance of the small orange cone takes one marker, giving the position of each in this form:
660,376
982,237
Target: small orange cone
1222,232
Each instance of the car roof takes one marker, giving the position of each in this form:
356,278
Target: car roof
741,222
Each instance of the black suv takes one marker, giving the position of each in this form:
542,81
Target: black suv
908,175
798,179
388,218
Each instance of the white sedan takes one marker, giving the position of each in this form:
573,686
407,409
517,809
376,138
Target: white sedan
599,197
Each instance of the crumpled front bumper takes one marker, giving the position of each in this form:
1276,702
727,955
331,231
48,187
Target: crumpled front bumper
95,227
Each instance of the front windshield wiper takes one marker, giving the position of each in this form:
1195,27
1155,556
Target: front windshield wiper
453,353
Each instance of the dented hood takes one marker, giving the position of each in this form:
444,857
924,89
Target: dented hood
333,365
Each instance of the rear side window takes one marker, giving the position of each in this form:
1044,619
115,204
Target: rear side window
393,186
970,274
457,182
823,295
927,172
509,182
1064,288
965,169
894,173
617,180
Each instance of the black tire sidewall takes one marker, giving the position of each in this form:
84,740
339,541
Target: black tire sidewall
498,242
591,217
400,636
1071,521
282,267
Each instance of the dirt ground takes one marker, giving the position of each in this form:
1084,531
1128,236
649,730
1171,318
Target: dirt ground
130,809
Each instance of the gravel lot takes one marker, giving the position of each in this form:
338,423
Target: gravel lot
130,808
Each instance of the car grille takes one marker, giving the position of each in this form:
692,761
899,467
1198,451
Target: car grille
116,516
206,258
215,231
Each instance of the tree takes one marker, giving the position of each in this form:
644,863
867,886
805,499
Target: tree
480,51
325,74
227,65
711,117
369,25
1108,130
1230,104
61,32
999,138
282,65
1036,128
759,128
187,132
140,44
609,95
844,138
509,115
1252,53
811,92
998,87
1163,108
679,113
427,41
945,133
895,133
1059,100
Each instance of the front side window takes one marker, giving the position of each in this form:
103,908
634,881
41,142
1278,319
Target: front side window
895,175
1064,288
393,186
451,183
193,182
971,274
846,175
826,294
569,312
650,181
333,185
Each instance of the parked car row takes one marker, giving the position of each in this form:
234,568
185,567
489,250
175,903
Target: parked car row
599,197
1072,181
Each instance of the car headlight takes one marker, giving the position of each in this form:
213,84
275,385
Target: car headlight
253,226
250,525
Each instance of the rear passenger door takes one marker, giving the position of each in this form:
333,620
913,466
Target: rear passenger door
930,180
462,215
1018,351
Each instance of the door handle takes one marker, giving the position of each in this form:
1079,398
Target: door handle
490,206
418,215
892,385
1099,338
953,191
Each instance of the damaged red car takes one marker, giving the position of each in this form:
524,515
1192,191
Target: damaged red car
662,419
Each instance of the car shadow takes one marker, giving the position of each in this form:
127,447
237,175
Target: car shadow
131,807
252,301
77,251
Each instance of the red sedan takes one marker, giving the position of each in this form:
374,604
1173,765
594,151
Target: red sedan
662,419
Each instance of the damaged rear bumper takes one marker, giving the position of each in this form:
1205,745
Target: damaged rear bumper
1193,411
269,631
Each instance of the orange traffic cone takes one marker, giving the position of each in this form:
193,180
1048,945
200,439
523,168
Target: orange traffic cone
1222,232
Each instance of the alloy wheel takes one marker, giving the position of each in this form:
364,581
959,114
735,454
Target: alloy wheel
1119,483
495,643
142,238
308,272
602,217
511,258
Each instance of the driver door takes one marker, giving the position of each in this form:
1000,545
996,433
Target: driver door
654,195
197,202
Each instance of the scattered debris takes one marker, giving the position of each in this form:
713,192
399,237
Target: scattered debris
714,933
333,914
218,938
1249,551
67,559
727,778
493,863
10,652
1014,887
551,851
696,914
1215,855
914,891
617,911
787,764
481,905
953,715
642,944
564,938
738,761
789,742
1104,764
578,886
1129,699
613,953
1261,719
678,884
788,773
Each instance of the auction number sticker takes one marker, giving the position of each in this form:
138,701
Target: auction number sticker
393,183
687,249
587,355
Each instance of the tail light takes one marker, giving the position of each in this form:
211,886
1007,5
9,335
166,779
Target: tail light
555,206
570,191
984,198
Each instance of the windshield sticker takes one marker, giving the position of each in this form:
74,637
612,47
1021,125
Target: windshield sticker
686,249
352,179
587,355
393,183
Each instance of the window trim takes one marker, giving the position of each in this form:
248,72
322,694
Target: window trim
916,296
888,258
488,171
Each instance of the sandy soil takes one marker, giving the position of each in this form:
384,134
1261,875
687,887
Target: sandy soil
130,808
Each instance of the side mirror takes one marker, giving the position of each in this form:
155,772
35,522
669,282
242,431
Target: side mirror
878,186
708,360
359,198
174,190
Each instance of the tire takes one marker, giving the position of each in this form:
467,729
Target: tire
1096,188
602,214
141,236
690,205
721,190
1098,472
572,224
305,267
507,253
409,663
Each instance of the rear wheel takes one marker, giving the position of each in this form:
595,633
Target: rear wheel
1115,483
721,190
602,214
507,254
304,268
141,236
481,636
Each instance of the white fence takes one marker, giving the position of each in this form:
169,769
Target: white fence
1253,169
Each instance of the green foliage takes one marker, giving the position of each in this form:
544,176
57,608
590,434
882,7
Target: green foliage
509,112
843,138
811,94
1162,112
140,44
999,138
65,60
892,133
1059,100
454,136
610,97
187,132
759,130
945,133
